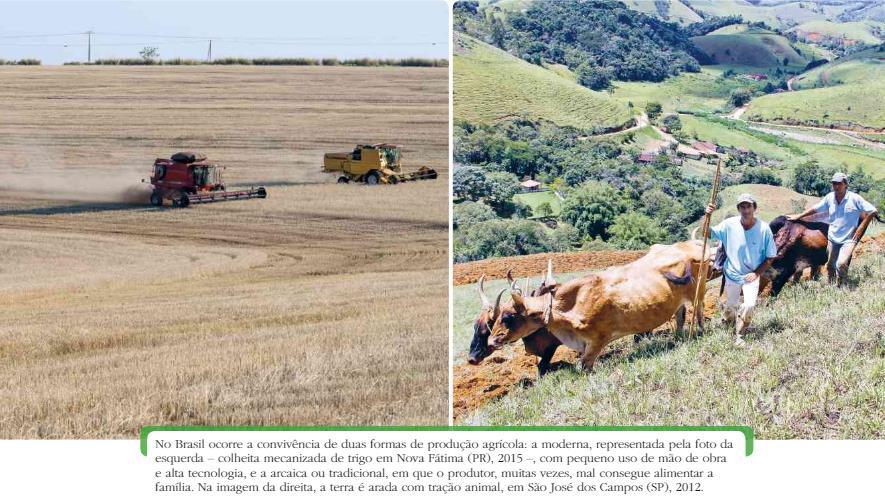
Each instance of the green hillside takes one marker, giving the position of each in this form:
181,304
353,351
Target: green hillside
844,93
731,29
778,15
862,31
704,91
752,48
491,85
842,106
674,11
860,68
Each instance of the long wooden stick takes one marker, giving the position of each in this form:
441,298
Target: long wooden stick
702,271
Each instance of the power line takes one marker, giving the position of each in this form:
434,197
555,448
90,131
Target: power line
40,36
236,39
200,42
242,38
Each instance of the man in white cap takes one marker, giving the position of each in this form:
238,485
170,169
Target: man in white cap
749,251
845,210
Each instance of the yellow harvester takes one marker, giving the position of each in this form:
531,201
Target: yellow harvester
373,164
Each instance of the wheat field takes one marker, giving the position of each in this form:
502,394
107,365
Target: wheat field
322,304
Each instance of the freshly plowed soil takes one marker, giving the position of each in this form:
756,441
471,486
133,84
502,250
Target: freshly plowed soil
497,375
466,273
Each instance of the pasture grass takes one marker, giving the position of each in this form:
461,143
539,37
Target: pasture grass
535,199
862,31
845,105
676,10
704,91
778,15
756,49
491,85
843,93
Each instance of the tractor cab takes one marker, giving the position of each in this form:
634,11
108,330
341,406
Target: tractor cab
206,177
375,156
189,177
372,164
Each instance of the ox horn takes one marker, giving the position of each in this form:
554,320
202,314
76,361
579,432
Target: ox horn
497,305
482,293
694,233
518,300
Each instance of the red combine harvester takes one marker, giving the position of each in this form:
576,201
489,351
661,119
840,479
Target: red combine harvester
186,179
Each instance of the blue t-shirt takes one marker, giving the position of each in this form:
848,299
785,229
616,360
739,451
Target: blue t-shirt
844,216
745,249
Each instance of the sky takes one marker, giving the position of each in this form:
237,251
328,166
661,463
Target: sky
54,31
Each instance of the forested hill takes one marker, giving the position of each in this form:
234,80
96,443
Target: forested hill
600,40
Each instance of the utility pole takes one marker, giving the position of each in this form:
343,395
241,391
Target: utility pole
89,50
210,50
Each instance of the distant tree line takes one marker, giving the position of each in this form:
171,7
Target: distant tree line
269,61
711,24
20,62
814,180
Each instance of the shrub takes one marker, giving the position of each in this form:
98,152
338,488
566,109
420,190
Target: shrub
467,214
653,109
591,208
497,238
635,231
469,182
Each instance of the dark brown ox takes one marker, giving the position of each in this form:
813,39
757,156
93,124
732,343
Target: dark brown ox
800,244
588,313
542,343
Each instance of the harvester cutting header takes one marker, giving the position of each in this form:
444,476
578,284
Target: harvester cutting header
373,164
187,179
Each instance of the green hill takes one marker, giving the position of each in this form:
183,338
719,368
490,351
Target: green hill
859,68
777,15
844,93
840,106
731,29
861,31
754,48
673,11
491,85
704,91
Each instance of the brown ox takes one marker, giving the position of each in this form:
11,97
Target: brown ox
542,343
590,312
800,244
